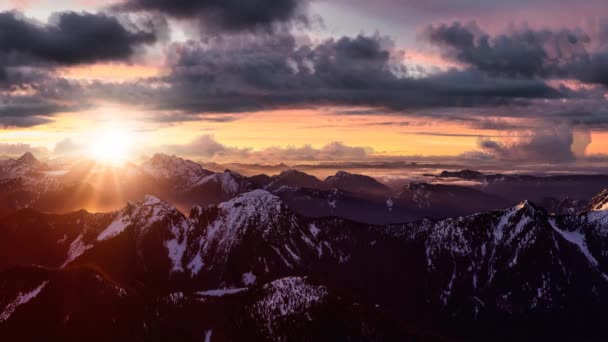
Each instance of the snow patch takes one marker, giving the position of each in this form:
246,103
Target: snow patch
196,264
208,335
116,227
284,298
143,215
21,299
389,204
578,238
248,278
77,248
314,230
221,292
176,247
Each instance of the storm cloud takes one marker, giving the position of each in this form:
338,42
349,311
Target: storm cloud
69,38
253,73
528,53
229,15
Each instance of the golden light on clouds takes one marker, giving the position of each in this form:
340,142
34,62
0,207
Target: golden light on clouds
599,143
113,72
114,133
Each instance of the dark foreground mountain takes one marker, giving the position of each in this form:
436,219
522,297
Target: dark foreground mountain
250,268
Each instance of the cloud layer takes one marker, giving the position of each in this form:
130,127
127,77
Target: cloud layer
207,147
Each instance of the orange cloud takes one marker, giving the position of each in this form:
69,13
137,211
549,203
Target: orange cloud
111,72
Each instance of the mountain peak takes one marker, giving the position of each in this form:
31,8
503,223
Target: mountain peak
295,178
529,207
27,158
257,205
342,174
142,214
356,183
230,183
292,172
160,156
171,167
150,200
253,199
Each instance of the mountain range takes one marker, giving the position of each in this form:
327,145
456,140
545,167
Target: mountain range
291,257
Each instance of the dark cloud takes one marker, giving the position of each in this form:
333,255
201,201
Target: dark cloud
29,110
528,53
69,38
30,97
252,73
231,15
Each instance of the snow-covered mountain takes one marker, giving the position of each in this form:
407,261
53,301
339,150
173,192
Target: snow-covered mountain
26,165
249,256
183,173
29,183
216,188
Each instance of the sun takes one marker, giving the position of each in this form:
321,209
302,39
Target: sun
111,146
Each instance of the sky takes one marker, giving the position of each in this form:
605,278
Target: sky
268,81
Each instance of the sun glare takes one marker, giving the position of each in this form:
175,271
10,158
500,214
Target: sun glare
111,146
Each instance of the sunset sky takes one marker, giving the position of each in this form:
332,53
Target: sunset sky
295,80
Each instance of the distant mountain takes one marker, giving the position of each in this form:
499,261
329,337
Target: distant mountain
464,174
294,178
566,206
516,187
215,188
29,183
184,183
26,165
252,267
439,200
184,174
357,184
260,181
344,204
